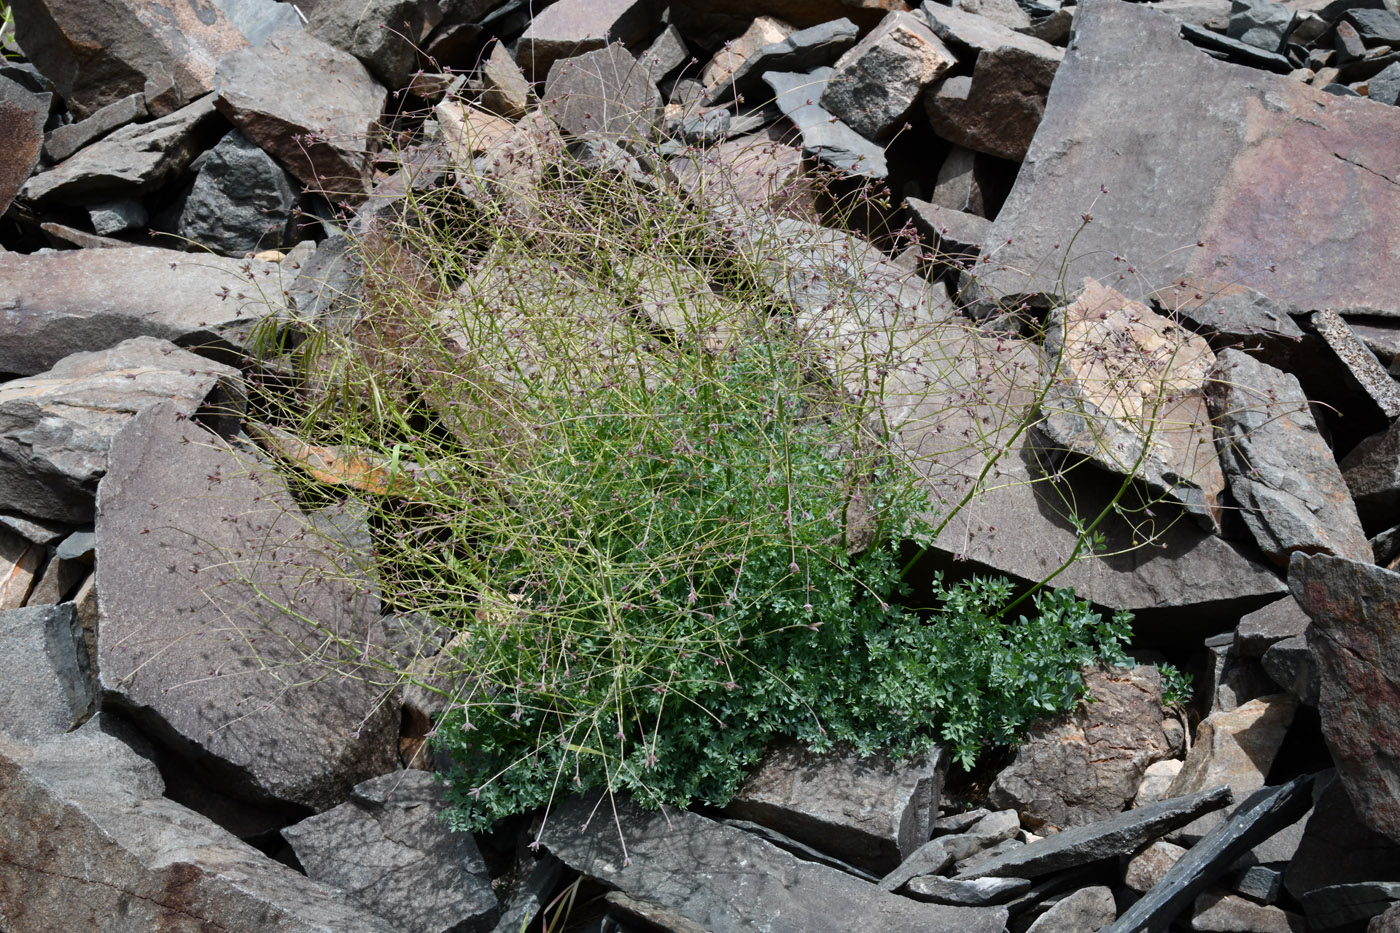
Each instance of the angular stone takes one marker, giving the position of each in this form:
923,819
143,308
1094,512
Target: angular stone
1128,395
19,565
729,881
1231,680
998,109
1254,820
965,29
56,427
384,35
63,141
1118,835
97,52
1125,94
799,849
874,84
469,132
135,159
959,185
1278,620
1008,13
504,88
1337,846
604,92
1342,906
1261,23
981,892
1151,865
1360,366
1291,665
956,236
1218,911
1084,766
393,855
117,216
575,27
1376,27
43,663
88,834
242,201
762,32
985,836
22,117
325,138
1231,314
1084,911
1281,471
531,897
1372,473
823,135
1236,52
197,640
760,172
872,813
1260,883
1156,779
53,304
1356,649
801,51
1384,87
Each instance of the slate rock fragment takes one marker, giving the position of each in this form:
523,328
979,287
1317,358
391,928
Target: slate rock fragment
241,202
22,117
875,83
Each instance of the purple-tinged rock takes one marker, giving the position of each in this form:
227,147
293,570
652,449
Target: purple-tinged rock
605,92
22,116
63,141
574,27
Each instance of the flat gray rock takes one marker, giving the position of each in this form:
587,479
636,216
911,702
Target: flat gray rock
1127,92
44,666
981,892
1372,473
1087,909
203,555
390,851
56,427
1120,834
800,51
53,304
63,141
382,34
729,881
823,135
604,92
575,27
88,834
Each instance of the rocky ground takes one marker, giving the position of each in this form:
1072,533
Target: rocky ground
1210,184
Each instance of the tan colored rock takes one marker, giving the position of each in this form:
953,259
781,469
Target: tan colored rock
1218,912
19,563
764,30
470,132
1156,780
504,88
1149,866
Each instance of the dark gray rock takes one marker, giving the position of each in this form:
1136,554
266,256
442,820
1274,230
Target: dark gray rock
1008,13
1260,883
1337,847
56,427
37,532
997,109
872,813
390,851
981,892
988,834
44,665
63,141
1356,650
1360,366
576,27
960,185
1255,819
604,92
384,35
1281,471
1234,50
242,200
1280,619
1118,835
1231,680
666,53
929,859
22,117
823,135
91,841
799,849
965,30
1124,94
53,304
532,895
1219,911
325,139
1084,911
873,86
1384,87
111,217
1084,766
1375,26
197,640
727,880
1261,23
1343,906
137,158
803,50
956,236
1232,315
1290,663
1372,473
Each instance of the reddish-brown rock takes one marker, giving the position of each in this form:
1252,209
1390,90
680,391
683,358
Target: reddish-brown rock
22,116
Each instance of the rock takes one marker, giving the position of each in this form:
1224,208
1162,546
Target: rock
1235,51
727,880
44,665
1280,619
532,896
1342,906
998,108
1128,394
1376,26
1360,366
19,564
97,52
53,304
62,141
1372,473
390,851
1290,663
719,71
227,552
1384,86
1387,922
869,812
985,835
1007,13
604,92
800,51
1280,469
258,19
135,159
1218,911
665,54
56,427
242,201
1126,93
111,217
324,139
1261,23
873,86
576,27
88,834
1231,680
1085,911
1255,819
1336,847
384,35
1237,748
1260,883
1232,315
22,117
1355,649
823,135
750,173
799,849
504,88
1151,865
1156,780
929,859
469,132
1084,766
956,236
1118,835
982,892
960,186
